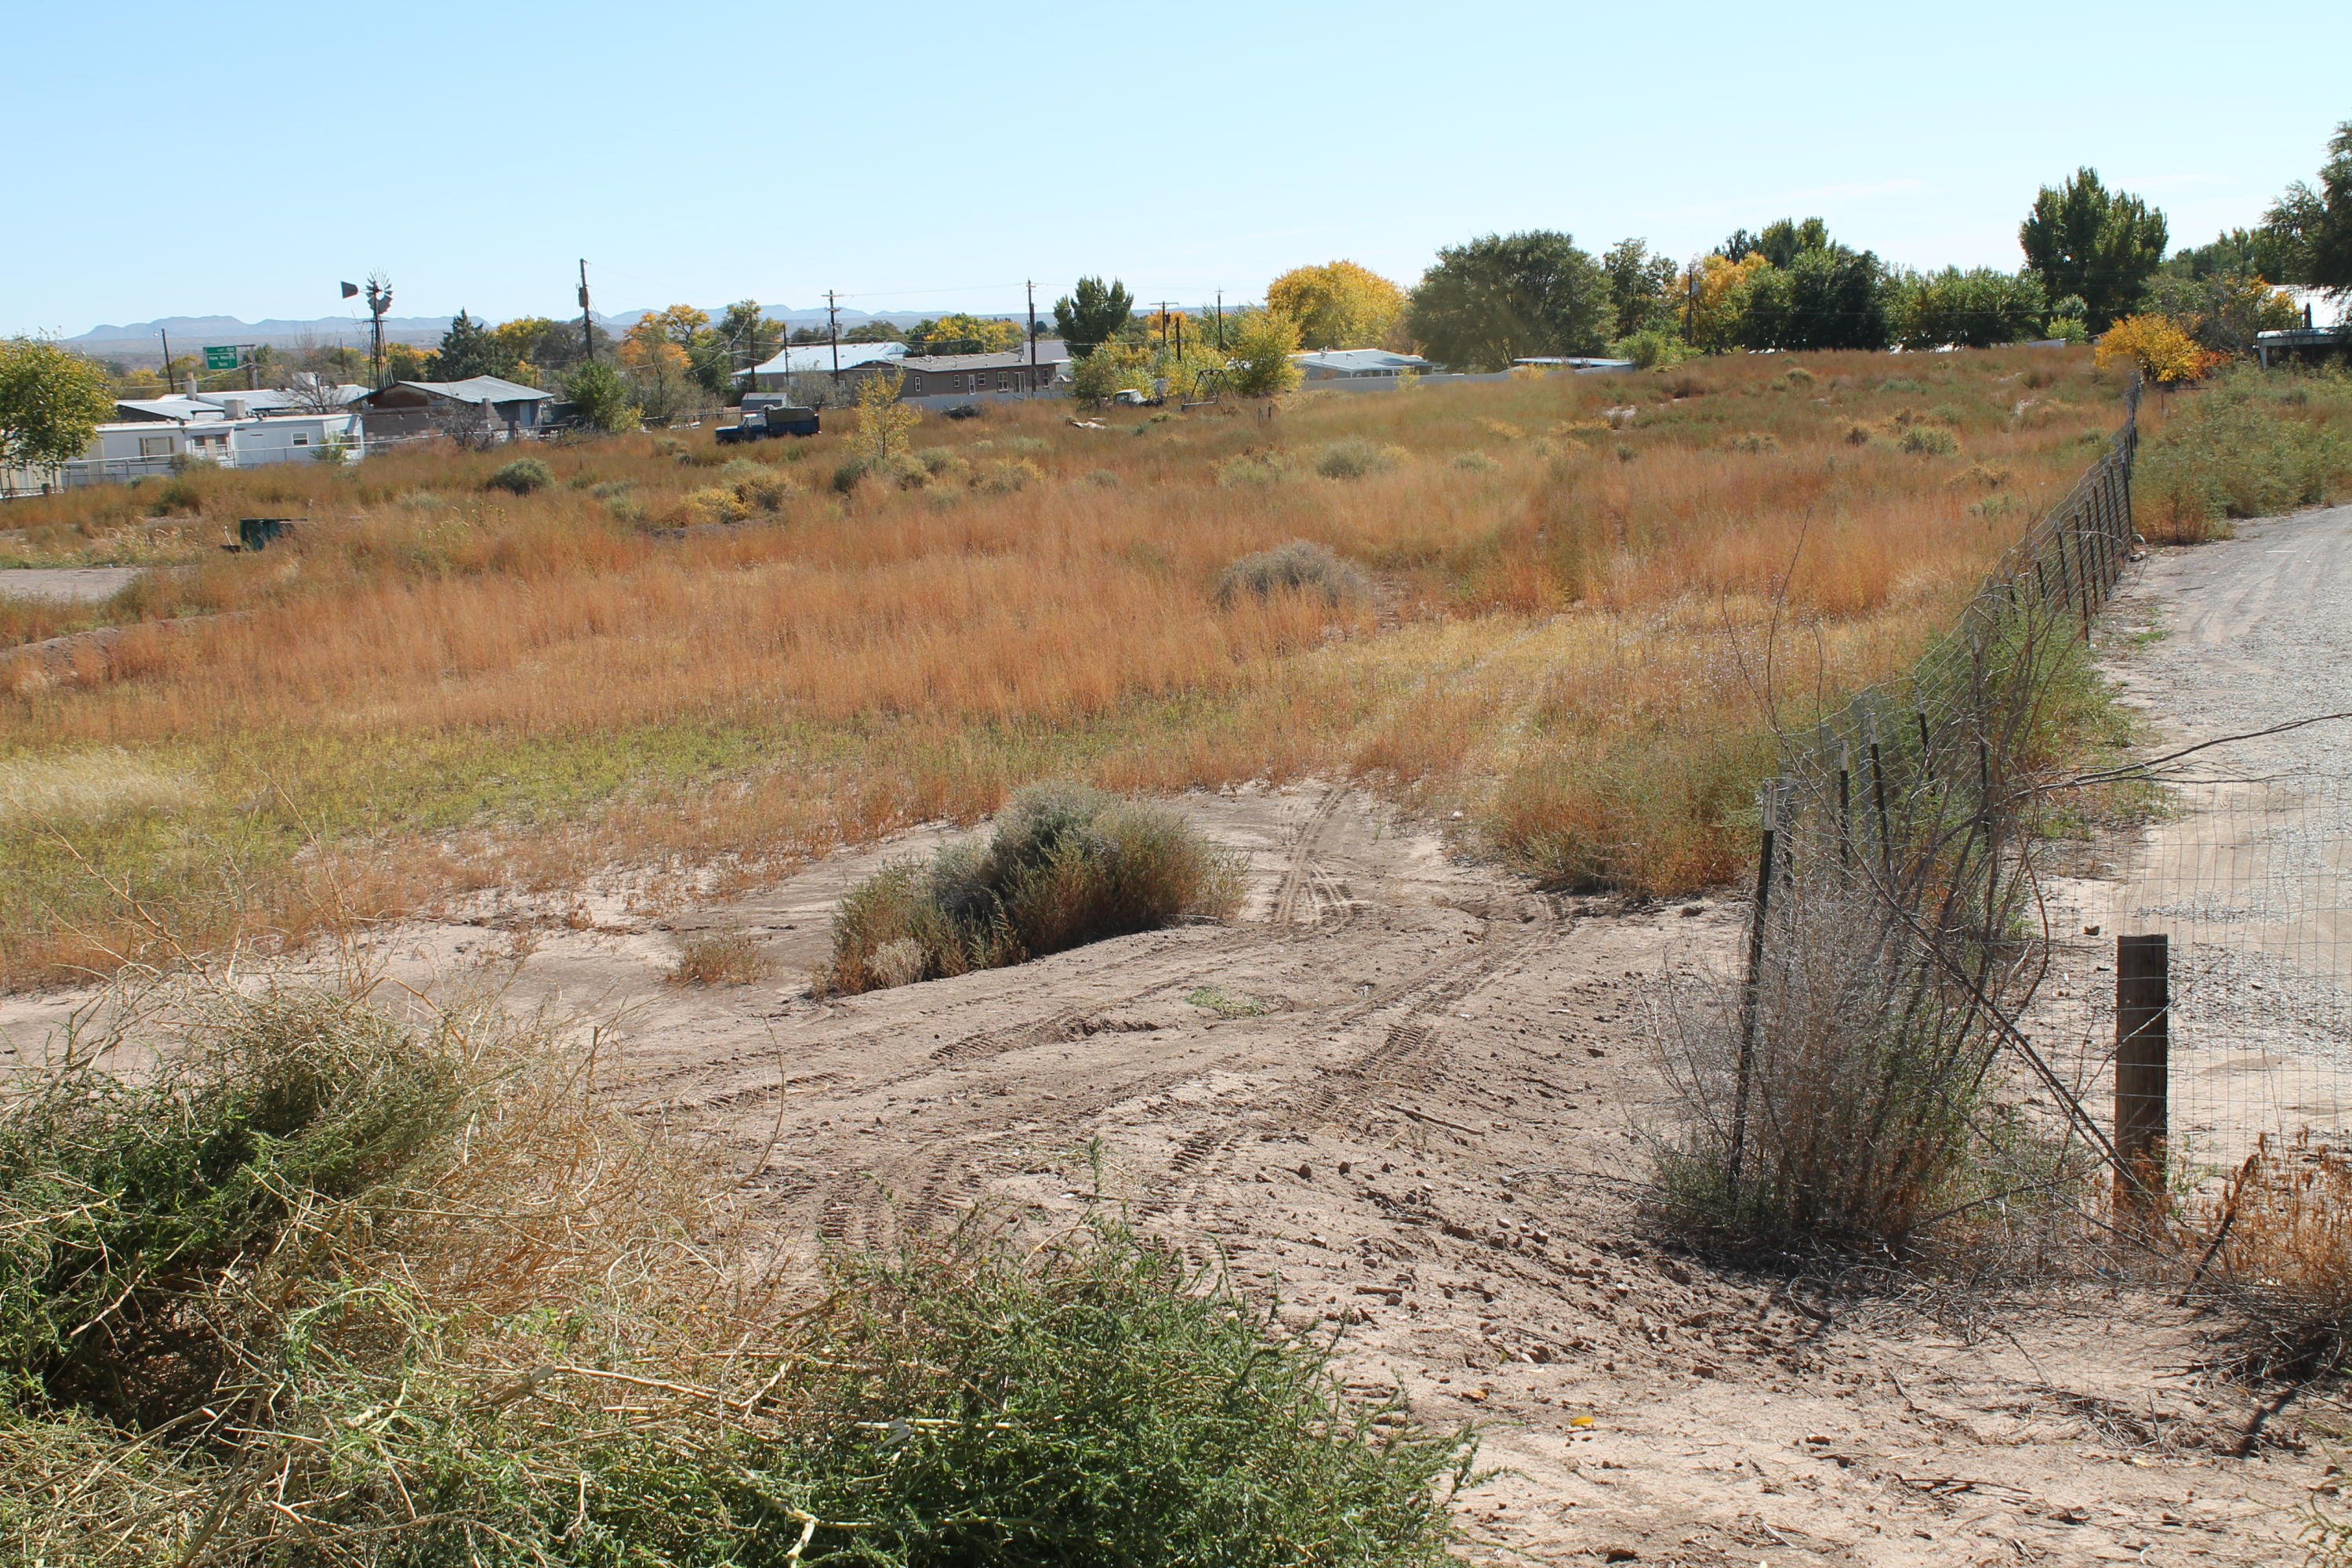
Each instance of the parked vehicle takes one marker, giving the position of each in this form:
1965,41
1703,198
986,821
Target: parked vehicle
776,419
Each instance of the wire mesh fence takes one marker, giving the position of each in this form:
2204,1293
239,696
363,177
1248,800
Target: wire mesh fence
1936,1016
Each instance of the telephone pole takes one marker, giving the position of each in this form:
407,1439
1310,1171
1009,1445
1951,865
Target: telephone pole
587,326
1164,325
1220,320
166,372
1032,287
832,335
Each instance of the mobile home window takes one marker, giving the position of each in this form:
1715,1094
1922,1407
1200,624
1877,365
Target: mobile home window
154,446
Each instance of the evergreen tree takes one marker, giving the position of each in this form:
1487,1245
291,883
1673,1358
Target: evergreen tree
1507,297
1092,313
469,349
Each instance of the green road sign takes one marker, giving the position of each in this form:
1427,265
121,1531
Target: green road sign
220,358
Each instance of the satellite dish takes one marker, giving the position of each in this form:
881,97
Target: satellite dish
350,289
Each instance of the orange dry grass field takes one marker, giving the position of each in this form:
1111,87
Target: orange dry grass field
679,670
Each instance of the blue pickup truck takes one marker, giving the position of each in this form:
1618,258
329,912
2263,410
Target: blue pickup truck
762,421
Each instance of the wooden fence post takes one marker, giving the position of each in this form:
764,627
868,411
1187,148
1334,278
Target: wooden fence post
2142,1056
1767,855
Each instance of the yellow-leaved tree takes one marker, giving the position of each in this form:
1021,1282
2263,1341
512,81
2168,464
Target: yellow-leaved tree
883,421
2158,345
1721,297
1262,349
1338,305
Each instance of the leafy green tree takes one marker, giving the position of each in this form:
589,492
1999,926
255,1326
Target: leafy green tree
2103,245
52,402
470,348
1781,243
1830,298
1975,309
1507,297
600,398
1092,314
2324,218
1639,285
1262,346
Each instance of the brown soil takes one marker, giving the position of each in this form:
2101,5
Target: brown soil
1407,1098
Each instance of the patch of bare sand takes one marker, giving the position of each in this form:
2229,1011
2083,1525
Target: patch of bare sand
1404,1095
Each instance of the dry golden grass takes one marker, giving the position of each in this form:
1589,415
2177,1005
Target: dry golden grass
439,688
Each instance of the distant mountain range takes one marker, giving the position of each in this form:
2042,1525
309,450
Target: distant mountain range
139,341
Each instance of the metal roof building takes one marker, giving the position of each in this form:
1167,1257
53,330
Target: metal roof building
800,358
1339,365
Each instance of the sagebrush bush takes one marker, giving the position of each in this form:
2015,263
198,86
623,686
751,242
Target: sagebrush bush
1476,462
1301,566
1353,457
2251,445
1065,866
1929,440
524,476
720,958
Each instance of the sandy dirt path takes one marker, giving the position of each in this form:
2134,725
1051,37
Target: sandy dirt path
1405,1097
84,585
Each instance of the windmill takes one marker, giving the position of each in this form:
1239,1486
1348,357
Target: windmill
379,298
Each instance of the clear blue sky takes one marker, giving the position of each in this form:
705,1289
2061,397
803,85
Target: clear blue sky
240,158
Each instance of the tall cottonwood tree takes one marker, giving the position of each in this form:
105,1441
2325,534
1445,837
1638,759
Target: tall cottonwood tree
1505,297
1338,305
2100,246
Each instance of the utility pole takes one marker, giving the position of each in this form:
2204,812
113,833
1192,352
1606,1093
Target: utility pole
587,326
165,373
1032,287
1690,306
832,335
1163,326
1220,320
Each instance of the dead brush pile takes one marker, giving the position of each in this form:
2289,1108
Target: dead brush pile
314,1286
2280,1261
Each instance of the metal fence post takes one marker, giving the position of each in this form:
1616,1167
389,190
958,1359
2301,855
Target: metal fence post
2142,1055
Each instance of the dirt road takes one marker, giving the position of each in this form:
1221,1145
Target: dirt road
2249,872
1405,1097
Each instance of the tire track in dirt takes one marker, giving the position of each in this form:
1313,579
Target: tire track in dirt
1400,1060
1302,879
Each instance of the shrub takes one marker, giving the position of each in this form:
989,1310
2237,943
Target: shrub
1253,468
522,476
1651,349
2250,446
725,958
129,1203
1752,441
2158,346
176,495
761,488
1008,475
1066,866
1103,480
1930,440
707,507
1355,458
314,1233
1475,461
1299,567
